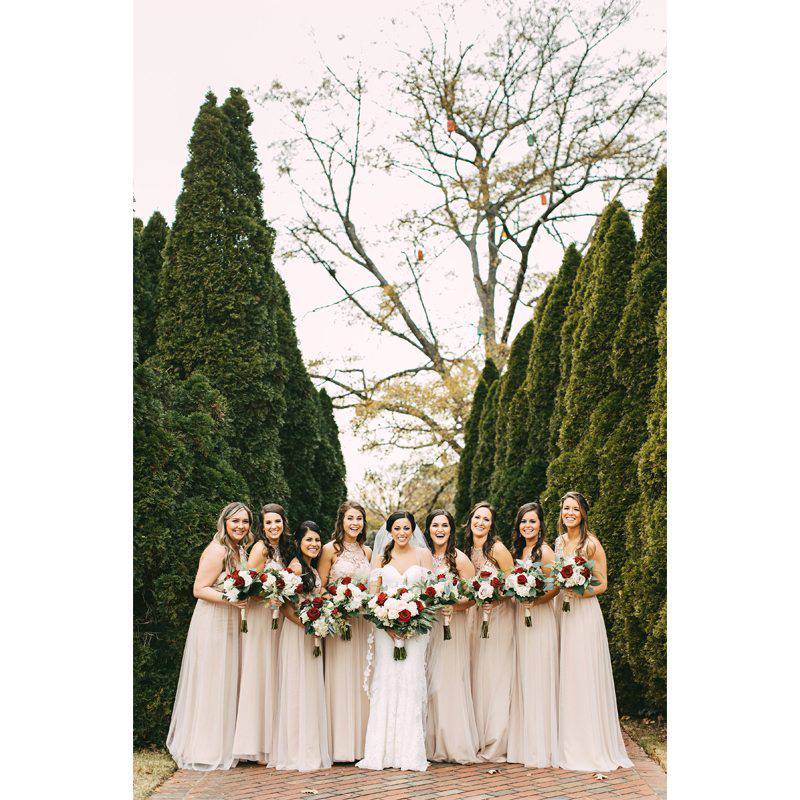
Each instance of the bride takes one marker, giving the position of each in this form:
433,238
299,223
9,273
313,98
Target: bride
398,695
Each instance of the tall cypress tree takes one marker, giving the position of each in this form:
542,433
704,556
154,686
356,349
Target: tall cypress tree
480,486
216,303
463,496
146,269
329,466
537,398
571,326
591,398
509,446
300,433
182,478
138,226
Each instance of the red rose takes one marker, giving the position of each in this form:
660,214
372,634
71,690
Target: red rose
495,582
345,581
263,577
382,598
253,573
455,581
238,581
430,591
580,560
336,612
566,571
440,576
331,589
280,583
317,602
521,580
485,573
404,615
539,584
362,587
585,572
476,585
420,605
313,613
348,593
402,590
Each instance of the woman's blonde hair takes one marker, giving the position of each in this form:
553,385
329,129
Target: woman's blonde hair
232,555
584,524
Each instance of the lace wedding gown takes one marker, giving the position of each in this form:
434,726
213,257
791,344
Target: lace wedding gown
398,695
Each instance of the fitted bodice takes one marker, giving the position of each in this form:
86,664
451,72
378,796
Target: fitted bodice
480,561
350,562
391,577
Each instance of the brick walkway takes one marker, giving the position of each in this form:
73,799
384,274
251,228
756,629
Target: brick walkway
513,781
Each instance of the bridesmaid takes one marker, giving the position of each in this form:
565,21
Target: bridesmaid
300,732
452,734
348,704
204,715
588,726
492,667
533,724
258,692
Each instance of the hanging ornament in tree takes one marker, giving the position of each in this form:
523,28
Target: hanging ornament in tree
504,235
419,255
530,140
451,125
544,199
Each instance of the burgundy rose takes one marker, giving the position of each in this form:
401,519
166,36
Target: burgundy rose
280,583
404,615
345,581
430,591
585,572
347,593
580,560
238,581
253,573
420,605
539,584
362,587
440,576
476,585
313,613
495,582
402,590
485,573
566,571
521,580
317,602
382,598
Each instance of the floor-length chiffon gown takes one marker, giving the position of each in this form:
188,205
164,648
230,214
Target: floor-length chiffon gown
258,691
300,732
451,733
493,670
398,694
347,702
533,722
589,736
203,719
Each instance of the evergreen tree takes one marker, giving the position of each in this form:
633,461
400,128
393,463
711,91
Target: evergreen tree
483,459
138,226
592,396
146,269
300,433
642,632
217,310
538,396
471,430
571,326
508,454
182,478
329,466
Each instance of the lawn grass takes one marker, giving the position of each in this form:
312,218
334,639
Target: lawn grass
150,769
650,735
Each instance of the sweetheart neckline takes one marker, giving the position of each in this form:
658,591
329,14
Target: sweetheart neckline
403,574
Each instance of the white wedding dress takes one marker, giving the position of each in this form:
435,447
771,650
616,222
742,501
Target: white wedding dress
398,695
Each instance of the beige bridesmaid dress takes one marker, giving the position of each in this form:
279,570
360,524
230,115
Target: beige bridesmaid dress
589,736
451,733
492,670
347,702
300,732
258,691
533,722
203,720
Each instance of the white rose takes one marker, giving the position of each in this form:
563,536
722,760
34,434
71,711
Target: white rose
485,592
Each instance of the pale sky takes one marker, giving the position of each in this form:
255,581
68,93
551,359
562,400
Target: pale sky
183,48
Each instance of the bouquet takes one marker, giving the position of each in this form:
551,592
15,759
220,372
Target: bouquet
525,583
574,573
442,591
320,618
349,598
239,585
485,587
401,611
278,586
